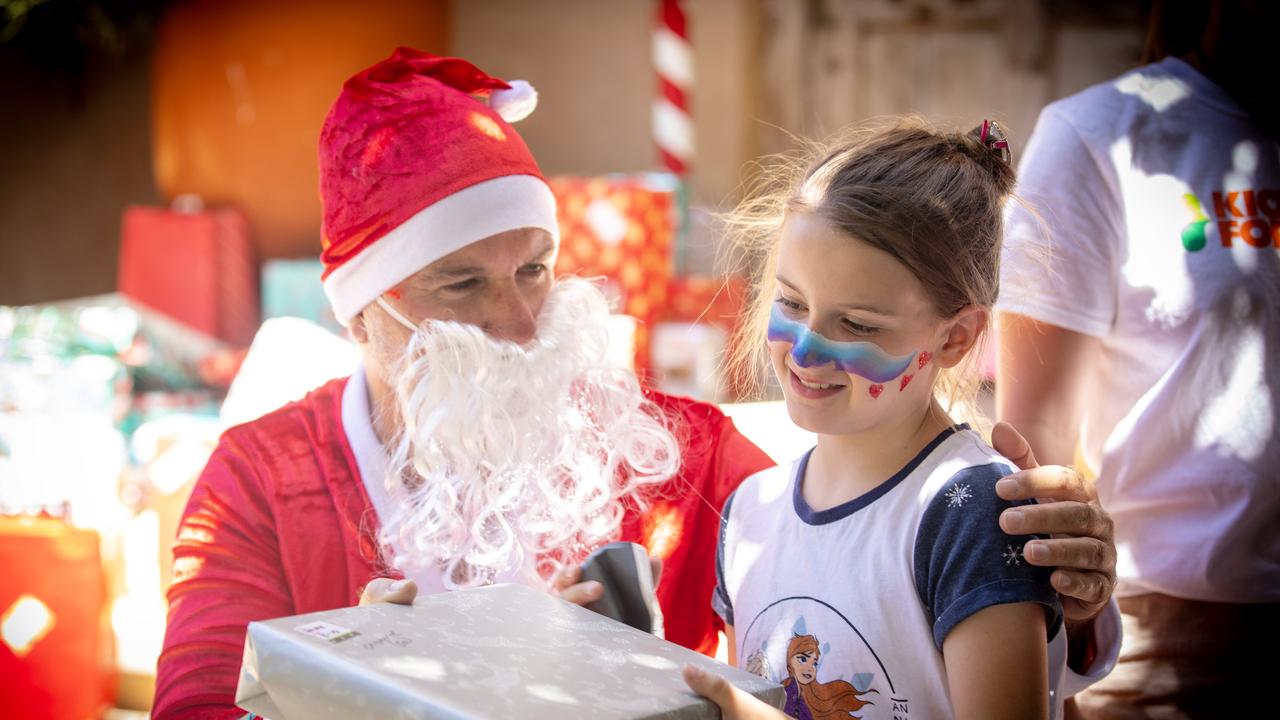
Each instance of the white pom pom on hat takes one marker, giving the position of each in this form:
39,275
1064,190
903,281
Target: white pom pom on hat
515,103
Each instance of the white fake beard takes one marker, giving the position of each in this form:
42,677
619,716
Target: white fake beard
519,456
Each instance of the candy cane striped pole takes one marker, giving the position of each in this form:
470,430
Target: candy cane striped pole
673,61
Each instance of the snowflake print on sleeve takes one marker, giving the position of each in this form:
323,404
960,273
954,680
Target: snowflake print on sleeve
1012,555
957,495
964,562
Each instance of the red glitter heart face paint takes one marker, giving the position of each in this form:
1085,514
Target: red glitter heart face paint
905,379
924,359
875,391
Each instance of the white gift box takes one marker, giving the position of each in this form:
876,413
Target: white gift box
505,651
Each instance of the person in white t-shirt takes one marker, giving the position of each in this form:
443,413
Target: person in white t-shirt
871,576
1140,322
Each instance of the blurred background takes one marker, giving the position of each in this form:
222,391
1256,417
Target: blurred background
159,230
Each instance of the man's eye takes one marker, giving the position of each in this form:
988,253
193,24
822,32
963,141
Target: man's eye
463,286
534,269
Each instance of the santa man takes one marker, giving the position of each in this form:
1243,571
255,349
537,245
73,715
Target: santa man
486,437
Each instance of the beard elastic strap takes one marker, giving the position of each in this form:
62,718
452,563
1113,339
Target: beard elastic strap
395,314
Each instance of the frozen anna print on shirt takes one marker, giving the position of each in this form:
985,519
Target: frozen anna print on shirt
792,654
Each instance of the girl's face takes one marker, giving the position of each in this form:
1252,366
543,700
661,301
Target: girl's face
854,339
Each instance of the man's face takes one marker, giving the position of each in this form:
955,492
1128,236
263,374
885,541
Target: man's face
497,284
510,457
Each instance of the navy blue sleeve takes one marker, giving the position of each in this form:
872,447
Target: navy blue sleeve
720,597
964,562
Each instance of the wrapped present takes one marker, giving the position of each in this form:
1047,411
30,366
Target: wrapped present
686,359
717,301
505,651
292,288
89,371
195,267
55,642
699,328
161,353
621,228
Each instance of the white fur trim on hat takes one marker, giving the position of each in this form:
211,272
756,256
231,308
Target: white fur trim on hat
467,216
515,103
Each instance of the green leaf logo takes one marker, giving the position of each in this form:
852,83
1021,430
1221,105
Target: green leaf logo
1193,235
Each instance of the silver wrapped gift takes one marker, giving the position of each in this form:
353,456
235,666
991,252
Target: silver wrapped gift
505,651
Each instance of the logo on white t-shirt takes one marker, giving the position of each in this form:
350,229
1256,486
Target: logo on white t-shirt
1251,216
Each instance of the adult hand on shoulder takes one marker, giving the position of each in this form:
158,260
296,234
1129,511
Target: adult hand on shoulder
1082,544
734,703
386,590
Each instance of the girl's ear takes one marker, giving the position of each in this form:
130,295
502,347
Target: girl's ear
963,331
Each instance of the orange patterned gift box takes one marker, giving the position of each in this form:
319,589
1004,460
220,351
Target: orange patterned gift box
712,300
621,228
716,301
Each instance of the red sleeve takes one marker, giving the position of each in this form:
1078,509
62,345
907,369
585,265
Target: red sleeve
736,459
227,572
683,527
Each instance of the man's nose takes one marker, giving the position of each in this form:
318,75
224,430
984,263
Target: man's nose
511,317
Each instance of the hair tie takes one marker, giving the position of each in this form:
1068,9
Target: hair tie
994,139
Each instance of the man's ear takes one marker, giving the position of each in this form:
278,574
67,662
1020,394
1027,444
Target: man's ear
963,330
359,331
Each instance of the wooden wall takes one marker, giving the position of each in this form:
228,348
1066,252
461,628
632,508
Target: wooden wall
828,63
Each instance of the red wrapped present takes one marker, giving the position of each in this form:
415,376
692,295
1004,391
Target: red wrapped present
715,301
620,228
55,643
197,268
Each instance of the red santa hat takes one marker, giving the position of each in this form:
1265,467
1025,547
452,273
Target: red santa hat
417,160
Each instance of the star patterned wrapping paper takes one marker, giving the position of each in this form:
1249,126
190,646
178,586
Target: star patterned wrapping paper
504,651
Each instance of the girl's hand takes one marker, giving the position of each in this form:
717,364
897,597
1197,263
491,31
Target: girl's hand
1082,546
734,703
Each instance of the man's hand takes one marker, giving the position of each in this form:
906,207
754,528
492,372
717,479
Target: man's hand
386,590
1082,545
734,703
567,583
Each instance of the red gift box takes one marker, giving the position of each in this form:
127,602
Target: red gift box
620,228
55,644
716,301
197,268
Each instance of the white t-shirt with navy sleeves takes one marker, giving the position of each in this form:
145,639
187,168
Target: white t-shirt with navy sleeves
858,598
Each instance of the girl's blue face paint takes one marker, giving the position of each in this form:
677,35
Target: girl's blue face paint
811,349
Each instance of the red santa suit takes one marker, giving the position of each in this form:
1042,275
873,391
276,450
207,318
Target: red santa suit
417,160
281,523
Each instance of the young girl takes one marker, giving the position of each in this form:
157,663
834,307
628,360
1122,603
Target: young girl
869,576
